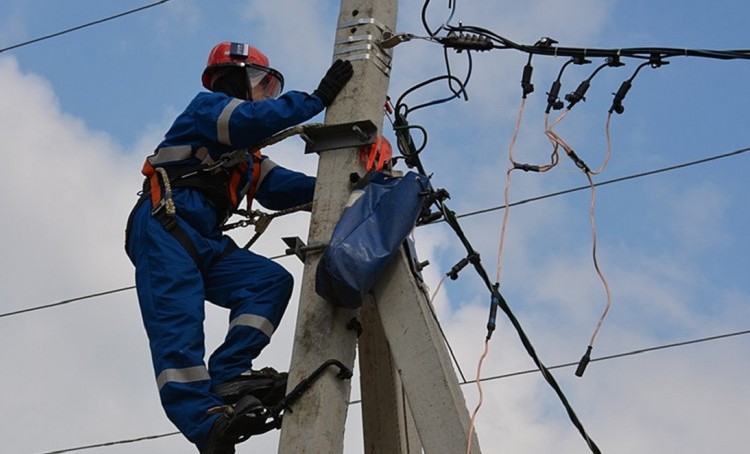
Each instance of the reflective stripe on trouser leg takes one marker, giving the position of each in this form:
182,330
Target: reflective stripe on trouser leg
185,375
257,291
171,298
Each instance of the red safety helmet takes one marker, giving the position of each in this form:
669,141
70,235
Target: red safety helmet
259,74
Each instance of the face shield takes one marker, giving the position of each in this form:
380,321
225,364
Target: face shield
264,83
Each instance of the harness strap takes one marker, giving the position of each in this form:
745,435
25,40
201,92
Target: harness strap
170,225
256,158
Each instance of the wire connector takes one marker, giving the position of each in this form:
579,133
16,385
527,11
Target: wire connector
578,95
526,167
466,41
619,96
553,97
526,84
494,303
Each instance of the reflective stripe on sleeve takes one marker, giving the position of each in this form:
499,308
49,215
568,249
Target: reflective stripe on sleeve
222,124
186,375
265,166
169,154
254,321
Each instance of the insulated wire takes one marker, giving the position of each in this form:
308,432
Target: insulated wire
558,141
485,379
481,394
79,27
550,195
593,234
508,178
633,176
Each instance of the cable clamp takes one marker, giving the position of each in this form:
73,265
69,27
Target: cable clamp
390,40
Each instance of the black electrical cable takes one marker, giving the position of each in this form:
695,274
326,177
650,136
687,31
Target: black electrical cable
462,88
498,301
68,301
584,53
114,443
79,27
451,6
453,79
627,84
481,35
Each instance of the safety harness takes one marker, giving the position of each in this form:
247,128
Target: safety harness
221,181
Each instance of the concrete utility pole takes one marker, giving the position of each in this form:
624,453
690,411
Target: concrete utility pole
407,378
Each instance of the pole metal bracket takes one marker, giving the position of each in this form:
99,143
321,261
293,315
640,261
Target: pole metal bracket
364,46
343,135
296,246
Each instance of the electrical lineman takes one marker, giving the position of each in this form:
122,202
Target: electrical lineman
196,178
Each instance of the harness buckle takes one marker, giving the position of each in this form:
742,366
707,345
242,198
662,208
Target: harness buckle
162,203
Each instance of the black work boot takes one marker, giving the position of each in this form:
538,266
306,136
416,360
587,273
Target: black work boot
268,385
217,444
236,424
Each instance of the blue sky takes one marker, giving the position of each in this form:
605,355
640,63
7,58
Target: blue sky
81,111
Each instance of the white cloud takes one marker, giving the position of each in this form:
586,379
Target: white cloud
67,190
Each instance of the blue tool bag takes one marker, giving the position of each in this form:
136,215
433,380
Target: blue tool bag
377,220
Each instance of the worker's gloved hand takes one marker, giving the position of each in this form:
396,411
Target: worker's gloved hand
337,76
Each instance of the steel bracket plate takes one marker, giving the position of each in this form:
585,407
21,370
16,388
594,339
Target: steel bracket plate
343,135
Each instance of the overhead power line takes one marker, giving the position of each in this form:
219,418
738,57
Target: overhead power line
473,213
79,27
606,182
68,301
113,443
484,379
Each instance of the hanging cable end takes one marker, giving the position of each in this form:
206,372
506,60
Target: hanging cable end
584,362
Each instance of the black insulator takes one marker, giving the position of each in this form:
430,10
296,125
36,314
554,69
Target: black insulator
578,95
619,96
526,84
453,273
553,100
494,303
584,362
